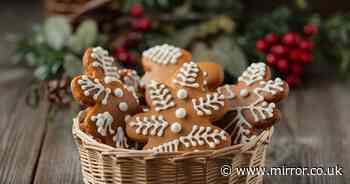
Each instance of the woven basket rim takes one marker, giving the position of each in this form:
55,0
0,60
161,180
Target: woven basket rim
89,143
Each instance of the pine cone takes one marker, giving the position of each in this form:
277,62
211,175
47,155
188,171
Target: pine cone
58,90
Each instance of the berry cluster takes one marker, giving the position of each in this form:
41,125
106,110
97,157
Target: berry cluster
288,53
139,24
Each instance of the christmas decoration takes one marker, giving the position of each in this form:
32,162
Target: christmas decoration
215,31
288,53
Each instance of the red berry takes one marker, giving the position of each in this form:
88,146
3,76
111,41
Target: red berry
271,38
142,24
289,38
136,10
310,29
295,55
271,59
261,46
283,65
293,80
297,38
306,44
306,57
278,49
132,39
297,69
121,54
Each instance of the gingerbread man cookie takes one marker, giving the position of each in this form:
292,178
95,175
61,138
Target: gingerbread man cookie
108,100
162,61
252,102
181,113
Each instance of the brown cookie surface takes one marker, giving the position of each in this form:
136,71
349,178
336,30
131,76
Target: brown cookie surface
252,102
109,100
181,112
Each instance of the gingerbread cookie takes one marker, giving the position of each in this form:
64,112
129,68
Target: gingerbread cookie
181,112
162,61
108,100
252,102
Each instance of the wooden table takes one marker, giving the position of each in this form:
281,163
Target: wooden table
37,147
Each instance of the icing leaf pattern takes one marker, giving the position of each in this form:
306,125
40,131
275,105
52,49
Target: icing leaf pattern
104,61
198,136
254,72
160,95
89,86
206,106
103,122
153,125
187,75
259,109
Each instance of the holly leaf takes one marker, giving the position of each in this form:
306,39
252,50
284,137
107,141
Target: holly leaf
85,36
57,31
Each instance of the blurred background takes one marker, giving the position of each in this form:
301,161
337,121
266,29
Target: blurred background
305,42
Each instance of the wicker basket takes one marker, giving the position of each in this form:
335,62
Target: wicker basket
102,164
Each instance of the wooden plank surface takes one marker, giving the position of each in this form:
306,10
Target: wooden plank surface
313,133
21,134
59,159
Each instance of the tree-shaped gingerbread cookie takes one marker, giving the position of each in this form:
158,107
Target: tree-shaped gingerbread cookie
181,113
107,98
252,102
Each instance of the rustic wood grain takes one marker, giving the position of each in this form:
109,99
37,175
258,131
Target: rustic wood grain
313,134
21,134
59,159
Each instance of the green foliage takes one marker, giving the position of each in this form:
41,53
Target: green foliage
333,43
57,31
53,49
225,52
85,36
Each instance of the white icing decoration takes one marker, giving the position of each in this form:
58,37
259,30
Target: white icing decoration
227,92
133,92
88,86
187,75
118,92
182,94
180,113
259,110
198,136
176,127
103,122
153,125
131,79
104,61
120,139
123,106
244,93
254,72
205,106
160,95
163,54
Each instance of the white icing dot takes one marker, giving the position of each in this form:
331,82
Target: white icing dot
118,92
176,127
180,113
182,94
244,93
123,106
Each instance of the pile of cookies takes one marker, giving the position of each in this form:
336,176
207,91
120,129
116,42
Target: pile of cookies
177,105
